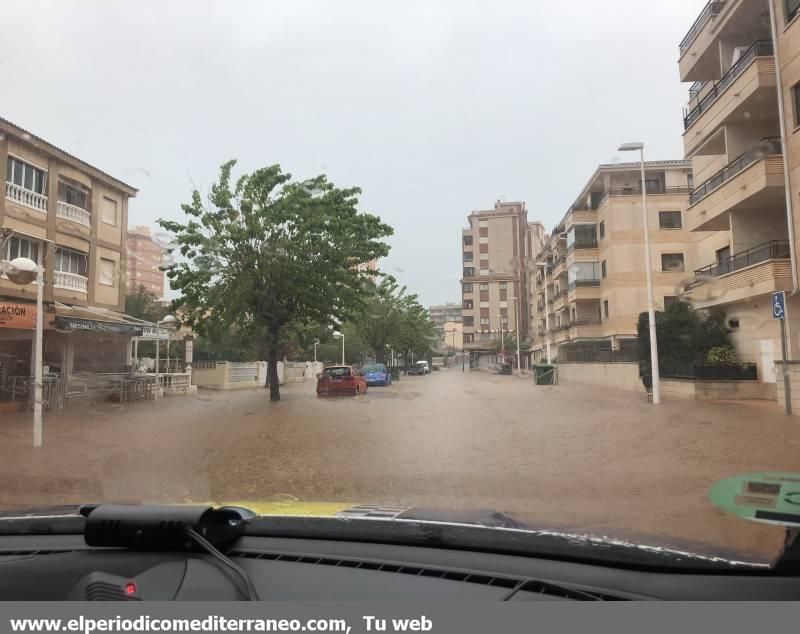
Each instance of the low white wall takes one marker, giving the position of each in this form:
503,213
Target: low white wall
621,375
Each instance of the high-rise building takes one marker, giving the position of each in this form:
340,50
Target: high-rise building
744,208
444,316
590,284
495,255
145,259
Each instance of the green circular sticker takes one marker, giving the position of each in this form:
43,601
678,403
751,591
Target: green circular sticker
773,498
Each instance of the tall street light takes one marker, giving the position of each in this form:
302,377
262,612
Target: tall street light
516,305
23,271
316,343
167,322
340,335
651,311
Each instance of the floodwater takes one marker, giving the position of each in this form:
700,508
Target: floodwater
580,457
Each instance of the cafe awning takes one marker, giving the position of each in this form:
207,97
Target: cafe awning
77,324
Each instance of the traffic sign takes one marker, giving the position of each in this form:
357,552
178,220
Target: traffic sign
778,304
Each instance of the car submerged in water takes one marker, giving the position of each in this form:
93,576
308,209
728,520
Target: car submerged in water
376,374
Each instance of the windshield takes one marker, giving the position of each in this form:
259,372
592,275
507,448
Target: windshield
564,256
373,367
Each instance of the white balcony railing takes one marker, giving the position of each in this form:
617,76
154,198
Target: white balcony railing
71,212
71,281
26,197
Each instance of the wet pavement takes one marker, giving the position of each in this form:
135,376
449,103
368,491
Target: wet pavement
579,457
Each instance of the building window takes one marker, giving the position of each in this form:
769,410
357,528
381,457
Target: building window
603,269
483,232
602,229
669,220
669,300
468,304
467,256
467,241
469,271
466,288
484,322
469,337
796,101
503,286
605,308
22,248
484,272
26,175
469,320
107,272
69,261
73,195
672,262
483,286
109,211
792,7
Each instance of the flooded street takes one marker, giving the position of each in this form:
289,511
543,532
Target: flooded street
580,457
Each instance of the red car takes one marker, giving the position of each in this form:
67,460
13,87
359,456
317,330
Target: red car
341,379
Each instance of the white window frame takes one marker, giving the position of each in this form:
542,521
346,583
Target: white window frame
31,165
58,261
116,211
113,272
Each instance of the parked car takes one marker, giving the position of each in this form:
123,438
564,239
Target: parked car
419,368
376,374
341,379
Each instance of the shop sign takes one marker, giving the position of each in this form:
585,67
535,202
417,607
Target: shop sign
20,316
91,325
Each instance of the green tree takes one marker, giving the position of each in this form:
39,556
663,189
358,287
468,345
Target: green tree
142,305
268,253
416,334
509,340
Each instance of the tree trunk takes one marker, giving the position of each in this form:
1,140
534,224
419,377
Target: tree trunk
272,371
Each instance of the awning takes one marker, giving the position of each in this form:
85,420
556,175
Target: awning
92,325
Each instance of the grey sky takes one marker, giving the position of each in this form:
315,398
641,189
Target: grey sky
433,108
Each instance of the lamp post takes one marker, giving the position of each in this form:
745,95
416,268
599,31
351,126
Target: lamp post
516,305
316,343
23,271
340,335
168,321
651,312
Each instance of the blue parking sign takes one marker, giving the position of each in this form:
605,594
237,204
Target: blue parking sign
778,304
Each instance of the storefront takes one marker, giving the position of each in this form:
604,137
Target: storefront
17,322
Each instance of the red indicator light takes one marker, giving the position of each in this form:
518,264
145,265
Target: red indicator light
130,588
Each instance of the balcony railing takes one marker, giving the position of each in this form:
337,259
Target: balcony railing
583,283
74,213
26,197
560,328
772,250
583,244
710,10
768,146
584,322
651,191
71,281
696,88
760,48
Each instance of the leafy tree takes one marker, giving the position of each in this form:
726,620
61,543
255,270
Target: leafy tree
509,340
416,334
269,253
142,305
684,334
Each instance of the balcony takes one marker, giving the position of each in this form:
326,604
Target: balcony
753,179
584,289
560,301
71,282
26,197
580,245
558,268
74,213
762,48
757,271
585,328
711,10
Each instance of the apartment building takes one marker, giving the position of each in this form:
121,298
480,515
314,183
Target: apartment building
735,141
447,318
590,280
71,218
495,253
145,259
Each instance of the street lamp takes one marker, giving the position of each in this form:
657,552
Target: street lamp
23,271
338,335
316,343
516,305
167,322
631,147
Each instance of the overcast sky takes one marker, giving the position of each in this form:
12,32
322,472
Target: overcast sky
433,108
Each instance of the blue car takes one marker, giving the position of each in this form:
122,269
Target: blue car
377,374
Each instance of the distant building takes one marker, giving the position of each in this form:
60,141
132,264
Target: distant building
443,316
452,336
145,258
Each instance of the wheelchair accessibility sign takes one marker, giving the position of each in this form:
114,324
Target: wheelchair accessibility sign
778,305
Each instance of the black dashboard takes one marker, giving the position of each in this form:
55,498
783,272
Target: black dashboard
63,567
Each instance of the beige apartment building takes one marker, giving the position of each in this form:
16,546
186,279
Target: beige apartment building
735,141
145,259
71,218
590,281
496,249
448,319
